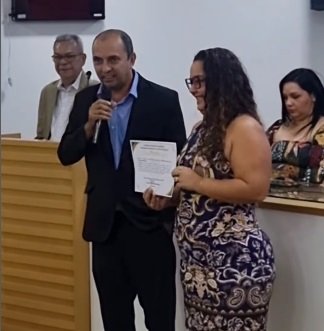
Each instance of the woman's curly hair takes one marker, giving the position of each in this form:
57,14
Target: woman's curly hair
228,95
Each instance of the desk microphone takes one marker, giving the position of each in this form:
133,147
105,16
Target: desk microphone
88,74
106,95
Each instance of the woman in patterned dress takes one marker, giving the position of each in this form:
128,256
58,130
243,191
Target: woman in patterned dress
227,265
297,139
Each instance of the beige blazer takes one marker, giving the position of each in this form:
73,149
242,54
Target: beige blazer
47,103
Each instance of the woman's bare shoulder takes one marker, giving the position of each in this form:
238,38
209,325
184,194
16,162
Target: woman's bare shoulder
244,122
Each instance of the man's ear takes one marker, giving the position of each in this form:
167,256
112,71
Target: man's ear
84,57
132,59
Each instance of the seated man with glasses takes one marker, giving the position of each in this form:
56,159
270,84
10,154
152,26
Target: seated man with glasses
57,97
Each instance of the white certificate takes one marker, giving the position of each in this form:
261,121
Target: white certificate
153,163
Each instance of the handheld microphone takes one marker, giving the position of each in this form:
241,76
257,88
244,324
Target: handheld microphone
106,95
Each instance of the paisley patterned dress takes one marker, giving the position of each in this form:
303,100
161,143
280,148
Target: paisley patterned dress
227,265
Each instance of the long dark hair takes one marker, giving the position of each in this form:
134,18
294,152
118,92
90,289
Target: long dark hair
228,95
310,82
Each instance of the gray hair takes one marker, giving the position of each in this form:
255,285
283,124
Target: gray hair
70,38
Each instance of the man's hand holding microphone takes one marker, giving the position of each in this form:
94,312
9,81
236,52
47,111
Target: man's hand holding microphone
100,111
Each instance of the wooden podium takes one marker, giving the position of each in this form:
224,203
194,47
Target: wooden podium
44,260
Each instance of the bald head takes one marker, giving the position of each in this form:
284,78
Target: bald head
119,34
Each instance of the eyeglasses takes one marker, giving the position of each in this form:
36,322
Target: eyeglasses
66,57
194,82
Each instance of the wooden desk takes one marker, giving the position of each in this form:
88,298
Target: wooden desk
293,205
44,261
11,135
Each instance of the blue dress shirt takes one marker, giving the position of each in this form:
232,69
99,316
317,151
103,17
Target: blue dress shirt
119,120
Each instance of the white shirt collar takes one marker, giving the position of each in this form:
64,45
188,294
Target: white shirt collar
75,85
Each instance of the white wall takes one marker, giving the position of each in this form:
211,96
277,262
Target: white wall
270,36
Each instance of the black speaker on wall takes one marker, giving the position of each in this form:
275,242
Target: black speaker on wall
57,10
317,4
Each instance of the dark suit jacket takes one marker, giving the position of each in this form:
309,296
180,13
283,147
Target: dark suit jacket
155,115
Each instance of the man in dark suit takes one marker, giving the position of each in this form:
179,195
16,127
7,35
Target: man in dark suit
133,253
